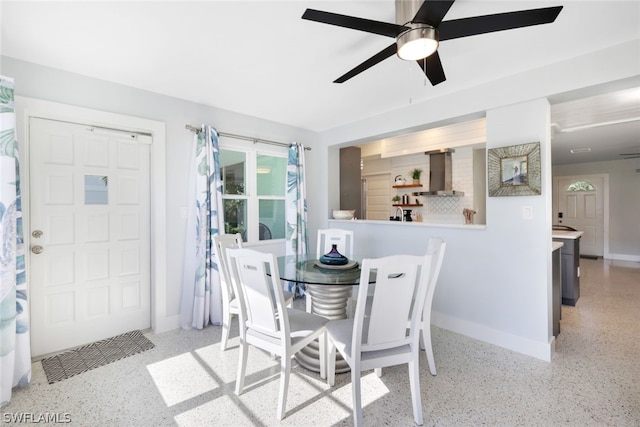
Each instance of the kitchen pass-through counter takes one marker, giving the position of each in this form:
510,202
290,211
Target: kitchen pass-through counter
337,222
564,234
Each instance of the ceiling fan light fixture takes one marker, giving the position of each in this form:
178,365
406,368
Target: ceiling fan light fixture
418,42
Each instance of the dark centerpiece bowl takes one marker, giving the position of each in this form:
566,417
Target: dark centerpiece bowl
334,257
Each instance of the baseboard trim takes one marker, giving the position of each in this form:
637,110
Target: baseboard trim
623,257
537,349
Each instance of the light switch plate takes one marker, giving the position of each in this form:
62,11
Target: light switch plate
527,212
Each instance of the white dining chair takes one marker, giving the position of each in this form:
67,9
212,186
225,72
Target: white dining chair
343,239
380,337
436,249
230,305
266,322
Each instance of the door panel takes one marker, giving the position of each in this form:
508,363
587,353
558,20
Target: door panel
571,209
89,196
590,206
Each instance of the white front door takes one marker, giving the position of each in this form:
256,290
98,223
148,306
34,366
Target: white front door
582,209
89,234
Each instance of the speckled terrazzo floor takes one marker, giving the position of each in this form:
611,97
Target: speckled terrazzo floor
593,380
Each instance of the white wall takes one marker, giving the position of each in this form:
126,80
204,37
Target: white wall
501,273
480,185
615,64
44,83
526,243
613,67
495,283
499,290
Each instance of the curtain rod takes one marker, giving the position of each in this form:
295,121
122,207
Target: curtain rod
246,138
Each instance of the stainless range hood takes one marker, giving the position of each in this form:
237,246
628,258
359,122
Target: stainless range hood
440,170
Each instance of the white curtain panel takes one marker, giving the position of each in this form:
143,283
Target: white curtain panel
201,295
296,212
15,350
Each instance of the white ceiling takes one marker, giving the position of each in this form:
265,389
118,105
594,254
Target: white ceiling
606,125
261,59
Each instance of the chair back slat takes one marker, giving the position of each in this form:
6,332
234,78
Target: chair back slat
261,292
391,304
222,243
400,280
436,249
343,239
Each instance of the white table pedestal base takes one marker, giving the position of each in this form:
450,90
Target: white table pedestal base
329,301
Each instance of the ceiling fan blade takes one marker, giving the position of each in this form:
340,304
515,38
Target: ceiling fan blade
632,157
432,12
475,25
433,69
378,57
367,25
629,154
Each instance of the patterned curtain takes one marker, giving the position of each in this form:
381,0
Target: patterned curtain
15,350
201,294
296,211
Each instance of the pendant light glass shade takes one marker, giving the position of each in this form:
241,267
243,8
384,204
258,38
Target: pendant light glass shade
417,43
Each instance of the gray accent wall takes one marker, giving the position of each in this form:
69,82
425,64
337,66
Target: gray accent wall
350,180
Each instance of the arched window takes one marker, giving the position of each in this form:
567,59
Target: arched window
581,186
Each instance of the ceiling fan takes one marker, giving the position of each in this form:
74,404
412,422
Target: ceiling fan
421,27
630,155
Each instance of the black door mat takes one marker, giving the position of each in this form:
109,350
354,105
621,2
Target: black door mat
589,256
91,356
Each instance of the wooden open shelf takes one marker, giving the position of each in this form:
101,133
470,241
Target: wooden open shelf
407,186
408,204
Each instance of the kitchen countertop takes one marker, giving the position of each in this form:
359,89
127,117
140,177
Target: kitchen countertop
412,224
556,245
561,234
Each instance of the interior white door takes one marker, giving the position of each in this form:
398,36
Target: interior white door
582,210
89,234
378,199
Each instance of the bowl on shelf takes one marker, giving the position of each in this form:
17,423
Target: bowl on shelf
343,214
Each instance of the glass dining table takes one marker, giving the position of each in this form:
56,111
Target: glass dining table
329,288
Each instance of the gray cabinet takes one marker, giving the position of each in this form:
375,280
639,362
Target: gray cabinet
570,259
350,181
557,290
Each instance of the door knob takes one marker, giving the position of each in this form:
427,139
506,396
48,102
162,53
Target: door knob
37,249
37,234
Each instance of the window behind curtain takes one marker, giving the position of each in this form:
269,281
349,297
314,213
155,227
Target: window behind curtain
271,175
234,199
254,193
